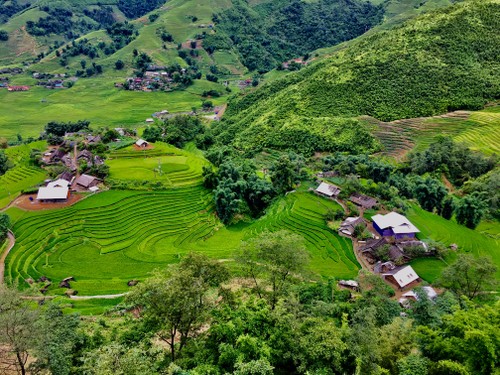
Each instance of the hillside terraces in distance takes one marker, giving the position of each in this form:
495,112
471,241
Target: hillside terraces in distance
437,62
478,130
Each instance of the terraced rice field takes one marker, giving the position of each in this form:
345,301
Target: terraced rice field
163,164
113,237
22,175
479,130
477,242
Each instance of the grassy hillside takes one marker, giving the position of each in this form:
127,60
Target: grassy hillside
437,62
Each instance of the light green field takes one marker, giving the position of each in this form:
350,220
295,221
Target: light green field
22,175
93,99
476,242
115,236
164,163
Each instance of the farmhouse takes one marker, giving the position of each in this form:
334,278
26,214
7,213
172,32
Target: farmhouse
394,224
53,192
150,121
328,190
86,181
429,290
372,247
402,276
142,143
363,201
18,88
348,225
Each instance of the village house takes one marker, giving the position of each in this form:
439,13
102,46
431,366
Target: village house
150,120
348,225
85,156
363,201
18,88
402,277
87,181
142,143
328,190
56,191
68,176
394,225
371,250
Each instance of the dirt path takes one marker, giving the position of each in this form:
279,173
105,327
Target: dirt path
12,241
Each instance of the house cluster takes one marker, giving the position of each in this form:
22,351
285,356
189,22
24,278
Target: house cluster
17,88
38,75
60,189
11,71
152,80
52,84
61,156
397,251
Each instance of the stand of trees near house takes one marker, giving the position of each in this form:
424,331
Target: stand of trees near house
194,318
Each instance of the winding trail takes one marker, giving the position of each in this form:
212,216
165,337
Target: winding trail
12,241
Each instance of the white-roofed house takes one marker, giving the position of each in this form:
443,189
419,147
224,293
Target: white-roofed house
53,193
328,190
394,224
348,225
142,143
401,276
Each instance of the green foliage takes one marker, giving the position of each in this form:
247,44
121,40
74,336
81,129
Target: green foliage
273,32
176,131
470,210
469,276
61,128
448,207
384,75
4,36
4,225
4,162
137,8
430,194
284,174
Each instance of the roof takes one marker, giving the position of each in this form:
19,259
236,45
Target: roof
363,200
350,283
328,189
141,142
52,193
93,189
348,225
429,290
150,120
58,183
403,275
372,245
85,180
397,222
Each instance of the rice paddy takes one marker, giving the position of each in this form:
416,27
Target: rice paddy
116,236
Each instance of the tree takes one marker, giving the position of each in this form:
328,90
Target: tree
4,162
271,260
413,365
56,344
4,225
469,276
283,174
430,194
470,210
4,35
119,64
447,208
175,302
17,331
83,63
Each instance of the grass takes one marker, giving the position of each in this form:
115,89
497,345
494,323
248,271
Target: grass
23,175
178,167
475,242
115,236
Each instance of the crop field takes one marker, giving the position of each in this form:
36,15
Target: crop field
115,236
479,130
22,175
164,163
476,242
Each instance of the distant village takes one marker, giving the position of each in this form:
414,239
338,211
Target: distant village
158,78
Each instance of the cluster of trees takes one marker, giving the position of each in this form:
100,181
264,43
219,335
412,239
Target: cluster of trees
58,129
60,21
137,8
238,190
4,162
4,36
103,14
122,34
268,34
4,225
276,323
177,130
9,8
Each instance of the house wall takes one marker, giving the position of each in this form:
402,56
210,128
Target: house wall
383,232
405,235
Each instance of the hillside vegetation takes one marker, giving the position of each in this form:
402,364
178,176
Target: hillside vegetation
435,63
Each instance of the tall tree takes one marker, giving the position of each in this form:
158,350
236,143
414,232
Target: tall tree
17,331
4,162
470,210
283,174
469,275
175,302
447,207
4,225
272,260
430,193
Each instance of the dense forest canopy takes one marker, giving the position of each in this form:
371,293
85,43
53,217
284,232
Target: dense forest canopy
268,34
439,62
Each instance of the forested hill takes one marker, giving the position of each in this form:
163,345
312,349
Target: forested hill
269,33
437,62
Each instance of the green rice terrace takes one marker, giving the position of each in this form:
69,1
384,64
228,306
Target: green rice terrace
116,236
164,165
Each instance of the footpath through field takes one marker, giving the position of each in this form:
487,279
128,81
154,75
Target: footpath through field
11,242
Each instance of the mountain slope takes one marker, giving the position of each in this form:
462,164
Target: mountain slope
437,62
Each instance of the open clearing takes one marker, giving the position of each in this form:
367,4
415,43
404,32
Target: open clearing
113,237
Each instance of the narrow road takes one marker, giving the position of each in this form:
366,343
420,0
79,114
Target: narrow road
103,296
11,242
